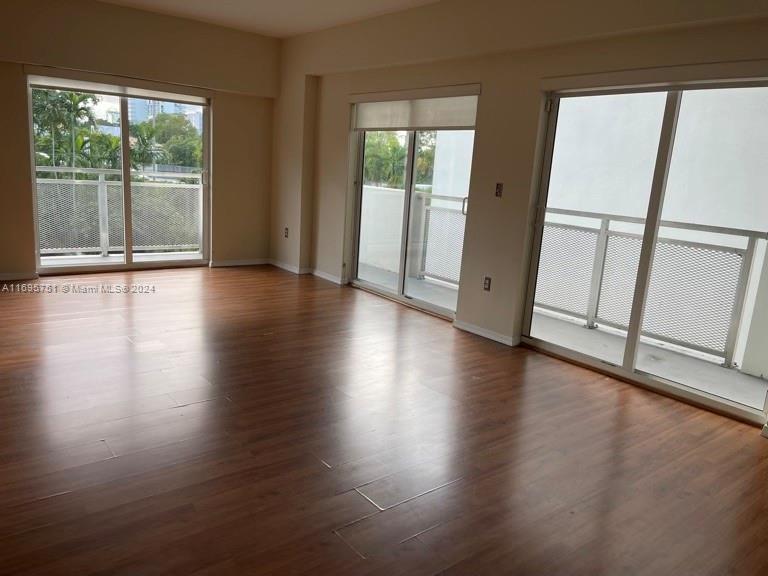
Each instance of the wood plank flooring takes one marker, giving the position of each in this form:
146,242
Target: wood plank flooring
250,421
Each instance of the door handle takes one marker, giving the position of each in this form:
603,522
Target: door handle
464,205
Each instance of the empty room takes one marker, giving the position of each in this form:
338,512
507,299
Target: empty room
380,287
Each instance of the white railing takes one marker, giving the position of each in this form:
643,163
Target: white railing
437,230
697,290
82,212
435,237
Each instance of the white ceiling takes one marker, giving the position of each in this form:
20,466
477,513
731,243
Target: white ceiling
279,18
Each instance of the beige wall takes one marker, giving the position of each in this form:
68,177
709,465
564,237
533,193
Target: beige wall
241,154
292,208
98,37
508,127
449,29
285,205
238,70
17,234
459,28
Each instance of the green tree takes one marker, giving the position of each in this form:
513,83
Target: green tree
185,152
49,117
174,134
173,126
104,150
144,147
384,161
424,167
60,119
79,112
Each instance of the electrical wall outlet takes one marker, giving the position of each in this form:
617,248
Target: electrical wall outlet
487,283
285,232
499,189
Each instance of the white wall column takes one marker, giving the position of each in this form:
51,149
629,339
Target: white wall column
755,360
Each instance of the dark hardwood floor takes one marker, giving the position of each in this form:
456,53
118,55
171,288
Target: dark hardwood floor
249,421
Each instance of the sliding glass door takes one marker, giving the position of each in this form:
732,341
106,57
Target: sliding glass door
705,323
118,179
413,203
438,212
79,177
166,151
414,163
649,253
382,208
599,187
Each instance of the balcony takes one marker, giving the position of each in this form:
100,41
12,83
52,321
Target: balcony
702,293
435,243
80,216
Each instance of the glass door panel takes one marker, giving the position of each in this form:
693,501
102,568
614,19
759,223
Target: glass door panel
382,208
78,178
600,179
438,208
167,146
706,313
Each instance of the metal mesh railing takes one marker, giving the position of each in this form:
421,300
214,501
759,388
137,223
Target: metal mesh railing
115,213
68,216
622,256
444,242
165,216
692,294
695,291
82,213
565,268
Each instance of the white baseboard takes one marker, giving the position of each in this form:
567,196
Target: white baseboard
291,267
329,277
13,276
285,266
765,430
485,333
252,262
313,271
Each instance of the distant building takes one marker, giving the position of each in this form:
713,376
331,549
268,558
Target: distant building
107,129
113,116
140,110
195,118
